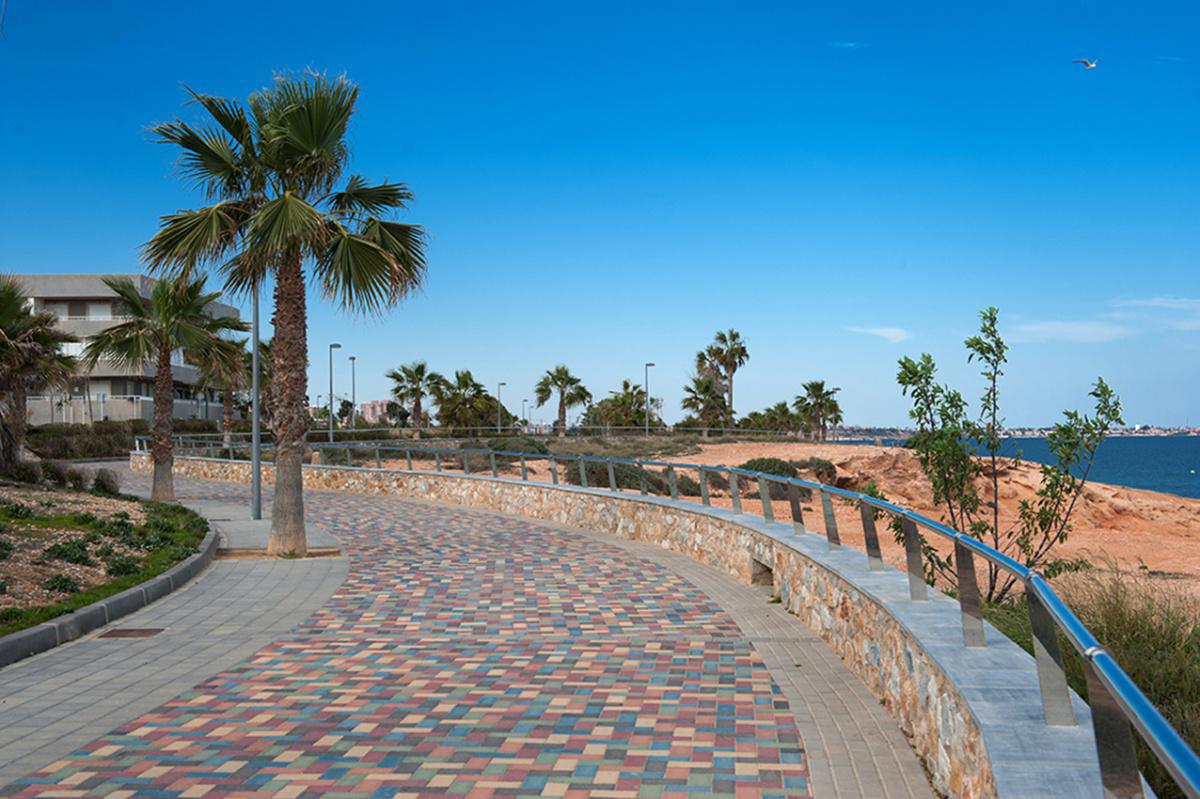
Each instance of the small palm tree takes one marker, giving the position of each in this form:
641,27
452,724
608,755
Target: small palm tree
571,392
730,354
625,407
174,317
411,384
463,402
818,406
223,368
275,174
703,398
31,360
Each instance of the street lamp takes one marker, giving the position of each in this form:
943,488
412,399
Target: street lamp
332,347
524,402
256,421
353,393
648,365
499,407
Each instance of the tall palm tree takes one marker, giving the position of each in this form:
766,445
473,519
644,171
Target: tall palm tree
625,407
818,406
571,392
31,360
463,402
730,354
273,172
174,317
411,384
223,368
703,398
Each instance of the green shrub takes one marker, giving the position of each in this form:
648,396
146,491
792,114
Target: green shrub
107,483
54,473
62,584
824,470
627,476
25,472
93,537
527,444
3,587
687,485
77,478
84,519
775,466
105,552
6,548
15,510
121,565
71,550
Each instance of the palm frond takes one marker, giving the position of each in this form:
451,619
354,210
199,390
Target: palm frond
229,115
188,238
286,223
358,273
360,198
209,160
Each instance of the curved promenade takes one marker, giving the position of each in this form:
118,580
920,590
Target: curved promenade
478,654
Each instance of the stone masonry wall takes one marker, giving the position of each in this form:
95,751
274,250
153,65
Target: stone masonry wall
927,706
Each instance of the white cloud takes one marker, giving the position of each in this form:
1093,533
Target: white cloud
892,334
1169,303
1083,332
844,45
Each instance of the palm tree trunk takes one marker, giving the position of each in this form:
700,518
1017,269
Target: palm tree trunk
227,416
289,387
161,453
562,415
20,419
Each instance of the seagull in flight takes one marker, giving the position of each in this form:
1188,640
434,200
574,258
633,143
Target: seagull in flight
1086,64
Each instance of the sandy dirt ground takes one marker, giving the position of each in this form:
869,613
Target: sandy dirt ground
1129,526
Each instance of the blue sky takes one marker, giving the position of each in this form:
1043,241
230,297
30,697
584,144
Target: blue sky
606,184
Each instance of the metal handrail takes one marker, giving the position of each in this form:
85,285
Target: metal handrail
1116,701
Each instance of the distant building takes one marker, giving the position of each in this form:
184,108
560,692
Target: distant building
84,306
374,411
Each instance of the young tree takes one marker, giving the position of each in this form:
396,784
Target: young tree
411,384
174,318
273,172
464,403
818,406
31,360
722,359
703,398
571,392
223,368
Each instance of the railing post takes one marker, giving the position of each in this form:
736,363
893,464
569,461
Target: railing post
915,560
378,459
968,595
735,492
704,487
831,531
349,456
672,482
465,464
553,470
764,495
871,537
643,482
524,469
797,510
1047,653
408,458
492,459
1114,741
612,477
437,461
582,472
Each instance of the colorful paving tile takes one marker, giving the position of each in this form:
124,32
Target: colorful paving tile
468,655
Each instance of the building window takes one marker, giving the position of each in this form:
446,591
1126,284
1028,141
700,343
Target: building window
73,348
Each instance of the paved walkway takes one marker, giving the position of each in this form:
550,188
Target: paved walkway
465,653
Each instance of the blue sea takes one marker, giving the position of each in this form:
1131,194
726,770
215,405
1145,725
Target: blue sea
1170,464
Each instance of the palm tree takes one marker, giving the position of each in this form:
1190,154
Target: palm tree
412,383
31,360
273,172
817,406
174,317
730,354
223,368
625,407
463,402
571,392
703,398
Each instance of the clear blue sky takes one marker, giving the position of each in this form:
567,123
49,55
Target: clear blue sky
606,184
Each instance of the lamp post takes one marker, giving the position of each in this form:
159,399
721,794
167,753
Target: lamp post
499,407
353,393
524,403
332,347
255,424
648,365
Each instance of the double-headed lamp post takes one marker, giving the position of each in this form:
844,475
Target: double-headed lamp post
499,406
353,393
648,365
332,347
524,404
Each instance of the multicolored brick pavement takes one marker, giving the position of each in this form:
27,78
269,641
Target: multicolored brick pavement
474,655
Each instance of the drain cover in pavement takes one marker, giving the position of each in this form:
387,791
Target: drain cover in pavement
132,632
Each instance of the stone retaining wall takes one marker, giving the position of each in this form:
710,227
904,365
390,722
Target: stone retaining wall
864,616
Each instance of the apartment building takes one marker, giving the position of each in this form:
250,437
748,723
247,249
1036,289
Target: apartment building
84,306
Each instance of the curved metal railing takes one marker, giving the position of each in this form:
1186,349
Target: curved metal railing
1116,702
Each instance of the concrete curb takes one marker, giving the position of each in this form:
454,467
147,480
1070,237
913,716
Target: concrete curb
69,626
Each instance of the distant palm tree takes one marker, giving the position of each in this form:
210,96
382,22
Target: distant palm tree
411,384
274,173
31,360
463,402
223,368
571,392
625,407
175,317
818,406
721,359
703,398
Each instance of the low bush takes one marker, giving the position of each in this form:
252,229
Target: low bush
6,548
775,466
106,482
527,444
15,510
71,550
687,485
3,587
61,584
121,565
627,476
24,472
54,473
823,470
77,478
